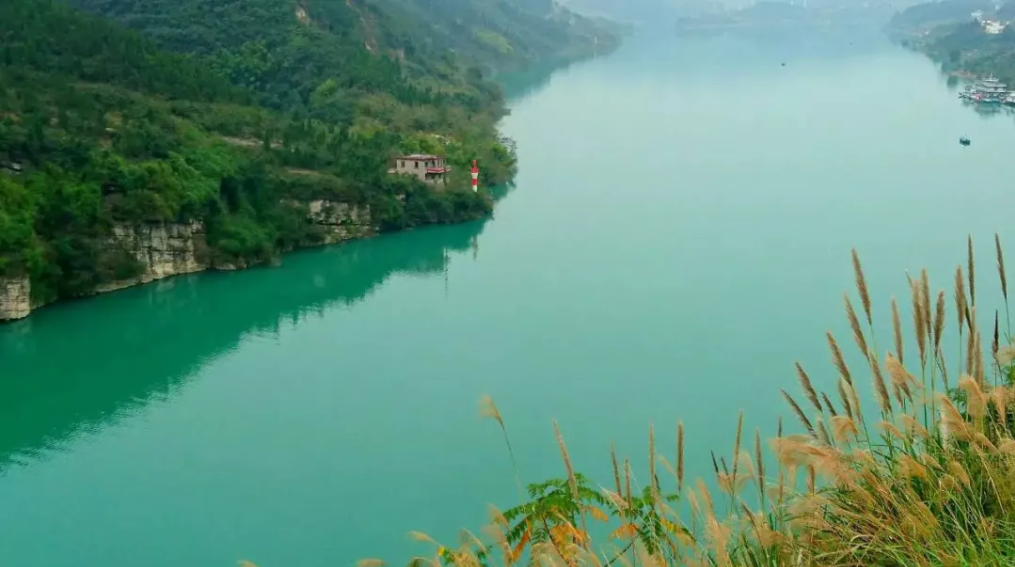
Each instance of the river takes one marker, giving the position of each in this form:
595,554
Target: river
679,234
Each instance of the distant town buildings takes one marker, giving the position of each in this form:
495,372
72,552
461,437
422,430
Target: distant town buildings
989,26
993,27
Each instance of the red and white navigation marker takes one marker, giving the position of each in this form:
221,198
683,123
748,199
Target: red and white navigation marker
475,177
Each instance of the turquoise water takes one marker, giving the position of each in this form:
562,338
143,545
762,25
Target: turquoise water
678,235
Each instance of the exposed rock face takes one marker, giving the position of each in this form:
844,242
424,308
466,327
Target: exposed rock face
162,249
15,302
341,221
168,249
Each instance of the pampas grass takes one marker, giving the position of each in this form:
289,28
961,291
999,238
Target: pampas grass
932,483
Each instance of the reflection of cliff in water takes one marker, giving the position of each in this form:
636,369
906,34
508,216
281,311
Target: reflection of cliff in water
521,84
177,326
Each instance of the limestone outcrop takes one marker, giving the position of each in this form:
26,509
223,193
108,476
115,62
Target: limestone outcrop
15,298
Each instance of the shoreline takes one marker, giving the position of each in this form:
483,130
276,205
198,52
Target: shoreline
20,286
16,304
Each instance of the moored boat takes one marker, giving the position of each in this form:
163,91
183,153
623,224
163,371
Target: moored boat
988,91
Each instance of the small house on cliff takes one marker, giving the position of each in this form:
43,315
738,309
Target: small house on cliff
428,168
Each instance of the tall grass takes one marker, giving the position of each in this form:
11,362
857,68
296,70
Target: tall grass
923,477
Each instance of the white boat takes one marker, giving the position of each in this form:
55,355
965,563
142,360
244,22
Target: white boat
990,90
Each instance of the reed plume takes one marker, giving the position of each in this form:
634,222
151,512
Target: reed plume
1000,266
828,405
805,383
571,480
939,320
854,325
616,468
627,483
995,343
880,389
1004,280
759,464
972,274
680,456
919,322
844,399
799,412
925,299
840,363
897,329
488,410
652,463
861,287
960,299
971,344
736,446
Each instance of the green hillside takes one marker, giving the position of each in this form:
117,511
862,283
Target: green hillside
964,47
227,111
920,18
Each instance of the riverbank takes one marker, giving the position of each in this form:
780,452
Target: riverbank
165,250
115,171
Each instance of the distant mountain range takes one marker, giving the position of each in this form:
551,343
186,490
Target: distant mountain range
736,13
775,14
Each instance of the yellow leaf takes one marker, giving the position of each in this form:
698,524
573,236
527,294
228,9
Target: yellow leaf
599,514
517,552
624,532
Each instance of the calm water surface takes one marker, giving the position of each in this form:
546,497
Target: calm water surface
678,236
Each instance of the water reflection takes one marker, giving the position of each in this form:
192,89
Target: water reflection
523,84
989,110
177,326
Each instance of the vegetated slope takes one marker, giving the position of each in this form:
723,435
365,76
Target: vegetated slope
359,41
965,47
980,55
100,126
923,17
502,34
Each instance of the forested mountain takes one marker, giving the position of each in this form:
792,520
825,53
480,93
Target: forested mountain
963,47
228,111
433,38
920,18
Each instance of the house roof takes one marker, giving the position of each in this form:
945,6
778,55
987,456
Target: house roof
419,157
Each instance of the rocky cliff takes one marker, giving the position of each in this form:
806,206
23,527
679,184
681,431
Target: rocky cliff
162,250
157,251
15,302
341,221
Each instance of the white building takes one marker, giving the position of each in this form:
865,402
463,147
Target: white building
993,27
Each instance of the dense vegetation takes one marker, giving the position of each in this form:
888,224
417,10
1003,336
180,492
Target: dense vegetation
947,33
226,112
924,476
964,48
919,18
